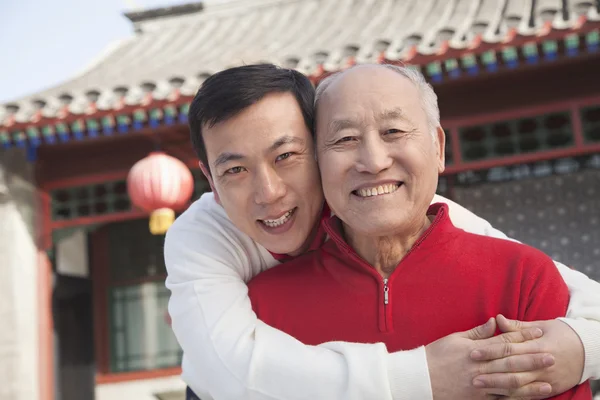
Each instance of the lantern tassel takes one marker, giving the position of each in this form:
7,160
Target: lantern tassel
161,220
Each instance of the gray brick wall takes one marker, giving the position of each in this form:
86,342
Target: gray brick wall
18,279
558,214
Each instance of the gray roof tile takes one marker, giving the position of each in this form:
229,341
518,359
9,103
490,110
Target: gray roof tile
177,47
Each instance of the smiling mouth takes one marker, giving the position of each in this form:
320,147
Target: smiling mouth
377,190
274,223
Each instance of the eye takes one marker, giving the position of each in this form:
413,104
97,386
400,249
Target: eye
235,170
345,139
284,156
392,131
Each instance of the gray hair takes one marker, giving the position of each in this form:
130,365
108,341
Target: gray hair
428,96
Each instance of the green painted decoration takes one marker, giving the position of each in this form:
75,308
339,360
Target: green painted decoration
48,131
185,108
489,57
33,132
20,136
530,49
4,137
123,119
550,47
593,37
434,68
140,115
510,54
156,113
469,60
572,41
170,110
61,128
92,124
108,121
77,126
451,64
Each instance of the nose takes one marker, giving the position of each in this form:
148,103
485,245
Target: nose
269,187
373,155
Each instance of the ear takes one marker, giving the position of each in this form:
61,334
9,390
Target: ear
441,148
208,176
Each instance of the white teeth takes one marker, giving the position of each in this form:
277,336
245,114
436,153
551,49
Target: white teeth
272,223
379,190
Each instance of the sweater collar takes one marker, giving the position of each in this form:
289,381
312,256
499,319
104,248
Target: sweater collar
440,227
317,241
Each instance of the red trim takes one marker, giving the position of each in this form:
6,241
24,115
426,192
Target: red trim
100,263
137,375
577,127
45,328
85,180
455,146
44,297
479,47
100,219
514,41
476,48
44,220
99,114
480,119
523,158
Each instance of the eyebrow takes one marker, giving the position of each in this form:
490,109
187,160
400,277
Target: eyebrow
394,113
340,124
224,158
285,140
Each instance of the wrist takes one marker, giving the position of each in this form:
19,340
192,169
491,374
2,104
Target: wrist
589,334
408,374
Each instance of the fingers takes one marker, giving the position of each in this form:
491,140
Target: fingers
518,363
484,331
512,325
508,344
505,381
531,391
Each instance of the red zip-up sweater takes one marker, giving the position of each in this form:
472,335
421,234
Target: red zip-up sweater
450,281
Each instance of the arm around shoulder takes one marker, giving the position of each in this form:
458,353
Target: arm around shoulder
583,316
230,354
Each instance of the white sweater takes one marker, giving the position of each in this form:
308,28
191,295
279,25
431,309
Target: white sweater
230,354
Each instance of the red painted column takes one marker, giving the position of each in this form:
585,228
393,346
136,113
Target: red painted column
44,290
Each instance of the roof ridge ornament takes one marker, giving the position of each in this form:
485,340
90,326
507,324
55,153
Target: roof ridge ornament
162,12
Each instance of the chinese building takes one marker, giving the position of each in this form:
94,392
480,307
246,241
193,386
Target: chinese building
82,281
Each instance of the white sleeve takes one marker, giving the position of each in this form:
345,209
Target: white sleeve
583,314
230,354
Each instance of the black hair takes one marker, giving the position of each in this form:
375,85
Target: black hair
229,92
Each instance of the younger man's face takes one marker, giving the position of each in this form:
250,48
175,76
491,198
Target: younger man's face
264,174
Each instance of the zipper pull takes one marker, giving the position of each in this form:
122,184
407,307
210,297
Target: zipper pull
386,289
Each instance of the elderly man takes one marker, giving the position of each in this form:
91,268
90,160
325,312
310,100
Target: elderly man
268,188
395,269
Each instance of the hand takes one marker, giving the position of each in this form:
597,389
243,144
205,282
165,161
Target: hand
558,339
452,370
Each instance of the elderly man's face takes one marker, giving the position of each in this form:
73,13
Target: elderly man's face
378,159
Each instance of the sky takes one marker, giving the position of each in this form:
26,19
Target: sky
45,42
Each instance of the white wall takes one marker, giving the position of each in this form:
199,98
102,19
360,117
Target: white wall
142,389
19,349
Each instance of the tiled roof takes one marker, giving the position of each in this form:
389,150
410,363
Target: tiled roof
175,48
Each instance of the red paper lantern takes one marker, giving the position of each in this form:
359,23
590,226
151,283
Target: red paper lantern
160,184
